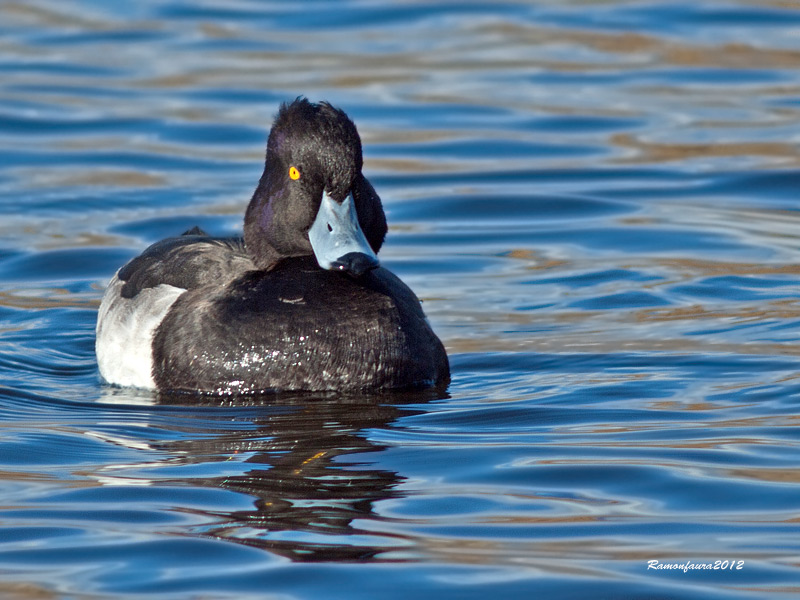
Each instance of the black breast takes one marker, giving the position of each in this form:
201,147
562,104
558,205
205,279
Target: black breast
298,327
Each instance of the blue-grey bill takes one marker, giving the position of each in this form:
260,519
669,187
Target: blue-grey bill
336,233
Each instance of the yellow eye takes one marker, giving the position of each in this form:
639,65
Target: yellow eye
294,173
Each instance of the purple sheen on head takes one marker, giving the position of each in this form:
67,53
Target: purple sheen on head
278,137
265,216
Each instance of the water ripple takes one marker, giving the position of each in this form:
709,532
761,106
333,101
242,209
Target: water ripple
596,203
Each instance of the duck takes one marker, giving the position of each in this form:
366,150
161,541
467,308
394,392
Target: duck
299,302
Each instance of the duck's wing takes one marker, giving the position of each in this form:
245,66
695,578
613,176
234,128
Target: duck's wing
143,291
186,262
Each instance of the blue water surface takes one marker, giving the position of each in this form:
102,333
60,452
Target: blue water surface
596,202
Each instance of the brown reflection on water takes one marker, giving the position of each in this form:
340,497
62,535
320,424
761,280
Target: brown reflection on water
548,556
30,591
50,298
767,474
777,309
559,326
577,343
709,268
651,152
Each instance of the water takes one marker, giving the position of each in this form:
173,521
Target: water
597,203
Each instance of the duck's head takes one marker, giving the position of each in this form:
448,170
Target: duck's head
312,197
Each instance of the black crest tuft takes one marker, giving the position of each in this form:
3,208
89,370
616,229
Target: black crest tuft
320,140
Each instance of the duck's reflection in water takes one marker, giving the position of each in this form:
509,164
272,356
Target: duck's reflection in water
307,497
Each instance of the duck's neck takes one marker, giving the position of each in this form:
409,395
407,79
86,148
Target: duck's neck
259,220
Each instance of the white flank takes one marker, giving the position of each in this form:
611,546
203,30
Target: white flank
125,330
